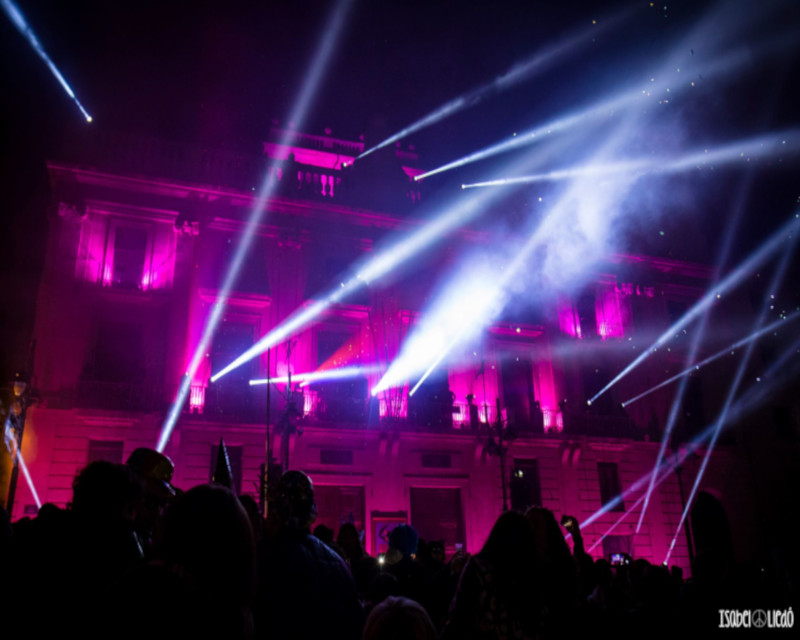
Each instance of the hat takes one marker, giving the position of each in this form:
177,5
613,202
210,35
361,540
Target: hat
155,468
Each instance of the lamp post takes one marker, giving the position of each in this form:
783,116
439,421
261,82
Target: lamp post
498,448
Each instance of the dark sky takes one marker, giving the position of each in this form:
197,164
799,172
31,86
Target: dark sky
220,73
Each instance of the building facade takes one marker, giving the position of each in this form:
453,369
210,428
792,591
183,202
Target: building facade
141,234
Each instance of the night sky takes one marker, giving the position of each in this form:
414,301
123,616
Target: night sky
222,73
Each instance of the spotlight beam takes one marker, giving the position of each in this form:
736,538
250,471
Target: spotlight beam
737,151
622,518
15,15
697,339
411,359
435,364
317,376
716,356
748,403
755,260
734,388
519,73
318,65
622,101
386,260
16,457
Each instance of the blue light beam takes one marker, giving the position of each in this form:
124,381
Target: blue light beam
318,65
15,15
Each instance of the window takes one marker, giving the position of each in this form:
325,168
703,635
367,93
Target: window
130,253
525,488
231,396
516,373
108,450
337,505
432,405
609,485
235,459
587,314
436,515
341,400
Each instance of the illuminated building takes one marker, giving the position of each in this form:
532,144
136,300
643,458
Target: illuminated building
141,233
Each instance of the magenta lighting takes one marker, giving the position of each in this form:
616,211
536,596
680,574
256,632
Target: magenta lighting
318,65
742,151
16,454
777,280
15,15
540,62
755,260
459,313
729,350
384,262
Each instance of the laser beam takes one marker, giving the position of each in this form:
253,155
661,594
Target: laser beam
697,338
386,260
738,151
318,376
298,113
716,356
752,262
15,15
734,388
526,70
748,403
624,99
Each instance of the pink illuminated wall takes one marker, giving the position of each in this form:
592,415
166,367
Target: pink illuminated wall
568,321
546,393
608,312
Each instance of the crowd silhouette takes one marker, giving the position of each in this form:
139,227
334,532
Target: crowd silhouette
134,557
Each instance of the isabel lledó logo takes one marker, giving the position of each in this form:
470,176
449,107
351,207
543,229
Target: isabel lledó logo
756,618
